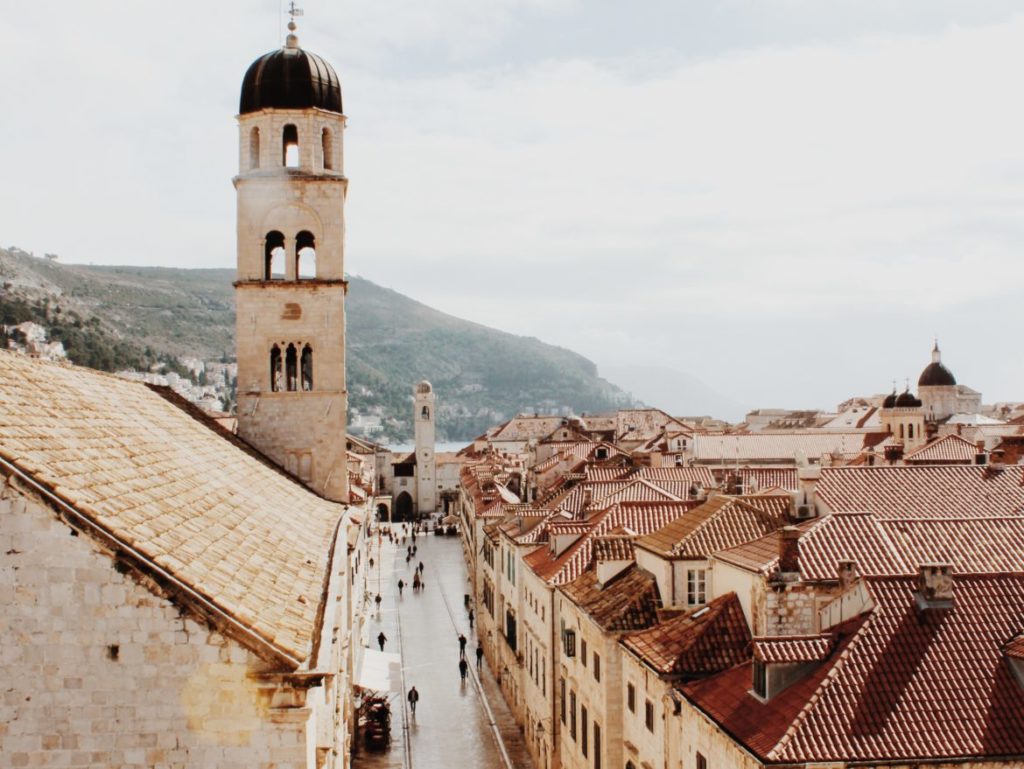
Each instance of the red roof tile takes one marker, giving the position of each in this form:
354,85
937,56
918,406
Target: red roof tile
786,649
927,491
950,449
904,686
698,642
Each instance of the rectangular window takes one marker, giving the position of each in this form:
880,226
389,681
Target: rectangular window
702,763
572,715
561,698
583,730
597,666
583,652
649,715
631,698
597,745
695,593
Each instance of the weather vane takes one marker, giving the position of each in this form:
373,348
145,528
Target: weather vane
294,11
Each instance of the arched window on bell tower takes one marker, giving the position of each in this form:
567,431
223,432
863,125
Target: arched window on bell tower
290,146
276,376
425,413
307,368
254,148
291,368
273,256
305,255
327,140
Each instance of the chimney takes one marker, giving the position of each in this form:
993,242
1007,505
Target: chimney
848,573
934,586
980,455
588,497
789,551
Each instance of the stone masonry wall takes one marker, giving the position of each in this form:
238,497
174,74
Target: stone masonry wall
97,670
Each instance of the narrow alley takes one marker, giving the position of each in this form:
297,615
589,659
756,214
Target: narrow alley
456,724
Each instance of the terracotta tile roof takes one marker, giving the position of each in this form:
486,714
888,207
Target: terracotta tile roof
886,547
701,475
932,491
794,648
721,522
759,478
613,548
596,473
188,497
636,491
757,725
696,643
626,602
523,428
639,518
901,687
776,446
950,449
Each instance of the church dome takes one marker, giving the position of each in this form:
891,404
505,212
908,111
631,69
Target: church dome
290,78
890,401
424,387
906,400
935,374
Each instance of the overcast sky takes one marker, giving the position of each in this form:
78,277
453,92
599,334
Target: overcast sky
786,199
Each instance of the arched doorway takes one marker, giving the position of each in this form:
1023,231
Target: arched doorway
402,507
382,512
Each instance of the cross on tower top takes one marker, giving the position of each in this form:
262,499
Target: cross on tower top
292,41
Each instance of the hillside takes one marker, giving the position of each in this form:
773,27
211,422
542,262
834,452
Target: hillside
135,316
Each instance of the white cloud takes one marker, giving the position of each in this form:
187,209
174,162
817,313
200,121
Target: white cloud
630,205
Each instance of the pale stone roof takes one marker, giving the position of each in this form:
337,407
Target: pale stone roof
163,480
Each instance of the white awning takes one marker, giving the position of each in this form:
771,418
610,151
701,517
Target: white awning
380,671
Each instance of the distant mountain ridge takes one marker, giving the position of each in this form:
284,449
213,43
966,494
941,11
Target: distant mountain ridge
481,375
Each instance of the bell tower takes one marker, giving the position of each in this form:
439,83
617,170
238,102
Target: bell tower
426,464
290,290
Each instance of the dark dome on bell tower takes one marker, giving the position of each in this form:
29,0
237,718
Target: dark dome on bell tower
290,78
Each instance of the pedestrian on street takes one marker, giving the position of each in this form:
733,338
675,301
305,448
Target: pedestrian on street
463,669
414,549
479,654
381,639
414,697
408,551
470,616
462,646
416,583
421,567
407,559
377,601
401,584
371,563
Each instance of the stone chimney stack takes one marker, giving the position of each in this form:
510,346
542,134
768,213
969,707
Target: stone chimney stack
848,573
934,586
588,497
789,551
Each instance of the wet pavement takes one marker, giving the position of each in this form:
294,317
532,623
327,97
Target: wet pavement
457,724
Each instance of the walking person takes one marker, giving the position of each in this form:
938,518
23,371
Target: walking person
416,583
463,669
470,617
414,697
421,567
462,646
401,584
381,639
377,601
479,654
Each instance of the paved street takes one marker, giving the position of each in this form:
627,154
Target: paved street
456,724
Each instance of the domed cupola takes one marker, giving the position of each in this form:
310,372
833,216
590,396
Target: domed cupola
290,78
890,400
906,400
935,374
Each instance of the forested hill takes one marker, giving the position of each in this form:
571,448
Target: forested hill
116,317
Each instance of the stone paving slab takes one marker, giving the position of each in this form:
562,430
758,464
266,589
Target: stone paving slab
457,723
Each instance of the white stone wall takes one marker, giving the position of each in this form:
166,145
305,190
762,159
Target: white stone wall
98,670
642,746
